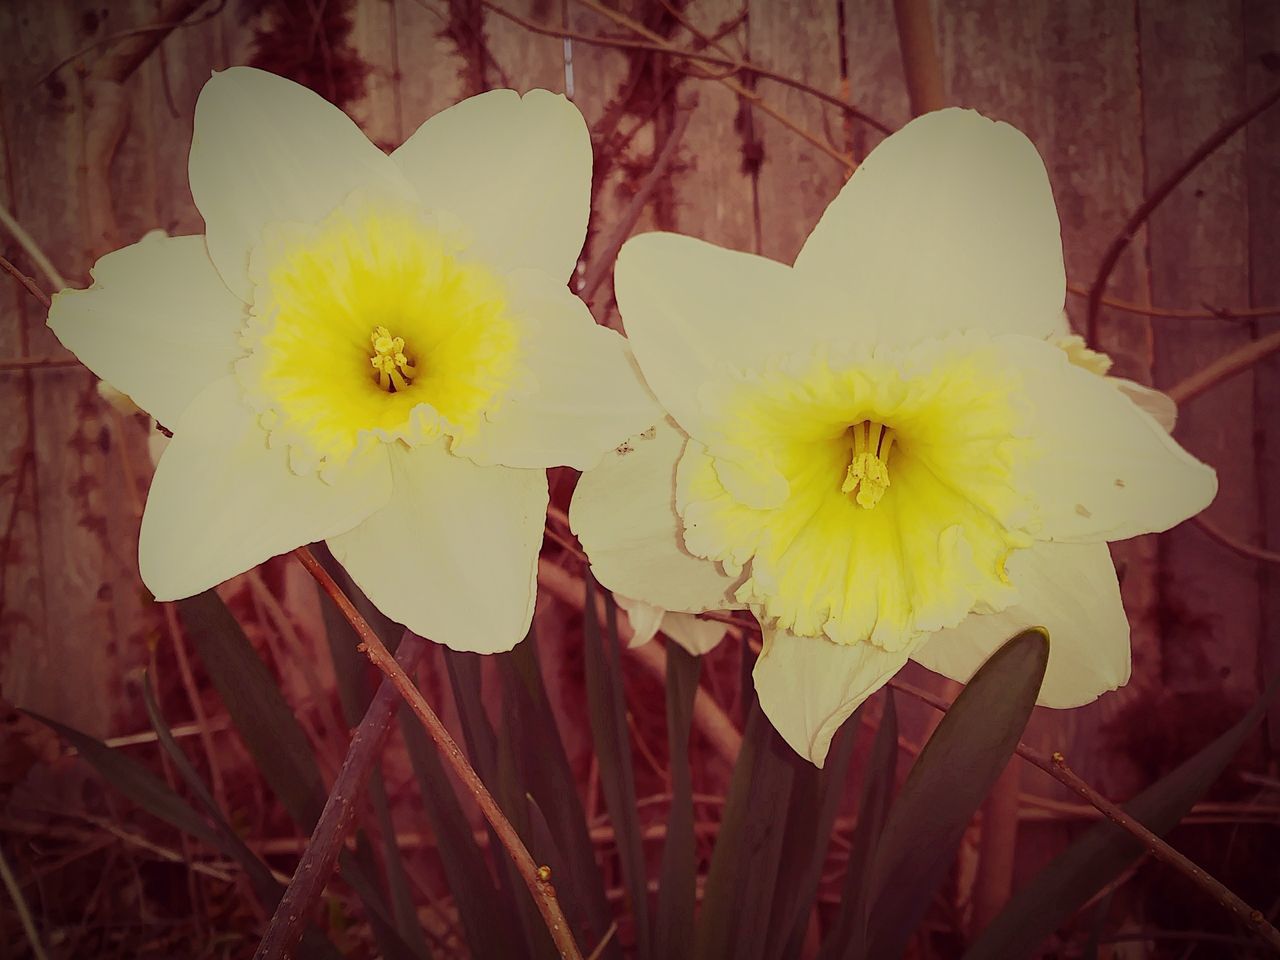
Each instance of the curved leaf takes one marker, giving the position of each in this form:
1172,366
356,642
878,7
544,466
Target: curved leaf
947,784
1084,868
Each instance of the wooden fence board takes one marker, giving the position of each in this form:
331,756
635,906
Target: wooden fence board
1192,71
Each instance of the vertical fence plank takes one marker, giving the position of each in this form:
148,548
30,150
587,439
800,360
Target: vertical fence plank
1191,76
1262,73
796,181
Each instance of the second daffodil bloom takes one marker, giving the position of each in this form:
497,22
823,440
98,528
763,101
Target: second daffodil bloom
376,351
882,451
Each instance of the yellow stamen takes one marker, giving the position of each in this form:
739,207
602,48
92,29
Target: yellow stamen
389,360
868,474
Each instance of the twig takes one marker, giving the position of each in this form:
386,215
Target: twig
1056,767
1231,543
20,904
732,66
604,941
603,262
1224,368
750,96
27,282
542,891
285,928
1157,197
32,249
919,56
1208,313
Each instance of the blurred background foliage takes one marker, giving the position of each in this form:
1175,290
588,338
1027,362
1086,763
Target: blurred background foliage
198,746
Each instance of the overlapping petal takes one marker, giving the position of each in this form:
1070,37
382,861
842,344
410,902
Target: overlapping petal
1071,590
158,324
1105,469
516,173
584,393
453,555
948,225
694,312
266,149
624,514
809,686
222,500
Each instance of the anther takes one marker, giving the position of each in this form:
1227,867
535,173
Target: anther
868,474
393,367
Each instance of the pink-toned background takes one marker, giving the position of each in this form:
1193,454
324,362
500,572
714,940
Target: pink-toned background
1115,95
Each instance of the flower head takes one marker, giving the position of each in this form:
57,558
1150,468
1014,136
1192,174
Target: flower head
887,450
377,351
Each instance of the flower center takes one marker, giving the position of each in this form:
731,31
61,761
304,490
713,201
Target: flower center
374,287
393,369
868,475
878,532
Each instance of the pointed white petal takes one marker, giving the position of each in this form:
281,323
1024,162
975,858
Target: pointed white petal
158,323
624,514
949,224
454,554
644,618
808,686
694,311
1159,406
1106,469
222,501
694,634
1071,590
585,396
267,149
514,171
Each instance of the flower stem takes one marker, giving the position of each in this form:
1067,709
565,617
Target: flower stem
541,890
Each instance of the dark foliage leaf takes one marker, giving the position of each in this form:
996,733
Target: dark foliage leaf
714,931
946,785
461,858
1084,868
268,890
355,692
607,708
276,741
135,781
496,767
809,838
673,936
848,935
543,771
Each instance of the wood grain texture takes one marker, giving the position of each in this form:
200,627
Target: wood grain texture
796,181
1192,78
1262,146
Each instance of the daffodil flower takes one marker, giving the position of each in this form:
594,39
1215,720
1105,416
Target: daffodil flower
377,351
881,451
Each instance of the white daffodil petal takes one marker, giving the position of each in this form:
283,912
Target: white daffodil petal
158,324
1159,406
515,172
696,635
808,686
222,501
644,618
694,311
1104,469
1071,590
454,554
623,512
266,149
948,225
585,395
